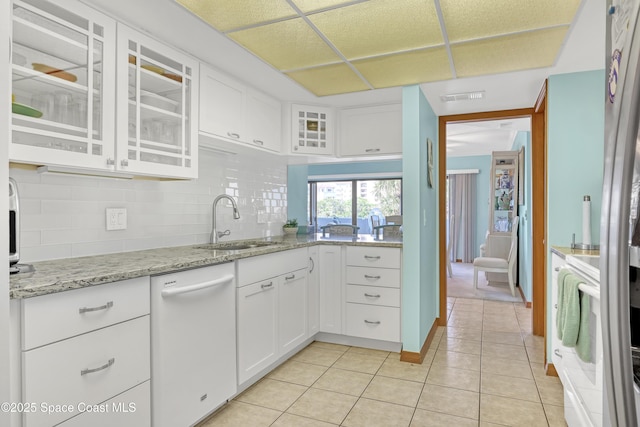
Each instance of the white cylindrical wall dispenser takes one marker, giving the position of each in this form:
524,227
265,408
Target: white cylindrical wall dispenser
586,220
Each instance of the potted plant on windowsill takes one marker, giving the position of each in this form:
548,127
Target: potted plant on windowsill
290,227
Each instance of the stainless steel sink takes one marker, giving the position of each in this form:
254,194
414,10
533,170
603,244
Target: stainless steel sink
235,247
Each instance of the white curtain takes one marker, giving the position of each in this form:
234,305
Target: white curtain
462,205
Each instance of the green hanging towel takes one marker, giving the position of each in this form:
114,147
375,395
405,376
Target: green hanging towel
571,310
560,302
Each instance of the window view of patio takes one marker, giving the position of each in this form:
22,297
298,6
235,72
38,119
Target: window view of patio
363,203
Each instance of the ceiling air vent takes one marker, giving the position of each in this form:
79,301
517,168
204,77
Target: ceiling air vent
466,96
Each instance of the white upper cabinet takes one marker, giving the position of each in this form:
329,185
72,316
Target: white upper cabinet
233,112
157,108
312,130
371,131
63,81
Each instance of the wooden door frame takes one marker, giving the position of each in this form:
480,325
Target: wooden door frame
538,135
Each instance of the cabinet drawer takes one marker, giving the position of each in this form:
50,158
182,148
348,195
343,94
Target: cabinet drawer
254,269
374,295
375,322
60,373
373,257
387,277
129,409
54,317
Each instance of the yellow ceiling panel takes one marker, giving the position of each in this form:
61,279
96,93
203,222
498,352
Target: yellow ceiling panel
329,79
380,27
473,19
287,45
420,66
503,54
225,15
307,6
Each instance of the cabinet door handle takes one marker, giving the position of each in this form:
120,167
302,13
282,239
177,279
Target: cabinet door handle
557,353
556,269
99,368
369,322
267,285
372,150
369,257
293,276
108,305
371,295
313,265
259,142
233,135
555,306
366,276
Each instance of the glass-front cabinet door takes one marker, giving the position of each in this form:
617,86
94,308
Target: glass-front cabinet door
504,189
157,100
62,66
313,130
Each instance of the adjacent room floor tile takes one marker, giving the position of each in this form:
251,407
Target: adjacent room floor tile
517,388
453,359
508,367
504,351
460,345
511,338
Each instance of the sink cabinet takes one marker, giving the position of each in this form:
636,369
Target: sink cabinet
272,309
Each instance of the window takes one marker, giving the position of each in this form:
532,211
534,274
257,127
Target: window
353,202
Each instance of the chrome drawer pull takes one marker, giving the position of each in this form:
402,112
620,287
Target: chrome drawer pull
377,322
233,135
101,368
372,150
371,296
372,257
556,269
293,276
366,276
267,285
557,353
102,307
259,142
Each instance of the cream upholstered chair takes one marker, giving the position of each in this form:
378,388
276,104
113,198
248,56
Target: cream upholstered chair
452,221
500,265
393,219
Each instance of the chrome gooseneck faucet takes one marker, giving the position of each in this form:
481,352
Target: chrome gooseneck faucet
215,234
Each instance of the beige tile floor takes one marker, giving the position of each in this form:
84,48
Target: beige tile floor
484,369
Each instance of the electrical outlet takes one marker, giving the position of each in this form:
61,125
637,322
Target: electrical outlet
116,219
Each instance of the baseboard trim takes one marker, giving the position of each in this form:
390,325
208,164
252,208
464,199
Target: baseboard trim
417,358
550,370
527,304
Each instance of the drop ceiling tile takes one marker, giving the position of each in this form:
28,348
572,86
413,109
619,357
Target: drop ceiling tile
225,15
329,79
380,27
426,65
307,6
530,50
472,19
287,45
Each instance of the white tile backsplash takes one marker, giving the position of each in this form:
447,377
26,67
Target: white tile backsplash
64,216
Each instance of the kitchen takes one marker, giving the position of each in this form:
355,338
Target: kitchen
164,206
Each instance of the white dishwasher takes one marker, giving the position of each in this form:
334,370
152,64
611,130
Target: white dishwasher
193,344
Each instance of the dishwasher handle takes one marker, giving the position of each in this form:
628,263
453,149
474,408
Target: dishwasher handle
204,285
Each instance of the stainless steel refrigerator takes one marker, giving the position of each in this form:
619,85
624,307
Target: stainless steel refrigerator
619,227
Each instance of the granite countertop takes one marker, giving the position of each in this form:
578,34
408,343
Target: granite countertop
563,251
74,273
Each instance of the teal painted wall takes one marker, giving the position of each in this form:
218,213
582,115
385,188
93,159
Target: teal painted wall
420,286
575,158
525,245
297,194
351,168
483,182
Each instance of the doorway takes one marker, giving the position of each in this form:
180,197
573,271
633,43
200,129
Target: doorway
538,167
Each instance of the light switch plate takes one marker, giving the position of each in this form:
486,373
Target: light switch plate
116,219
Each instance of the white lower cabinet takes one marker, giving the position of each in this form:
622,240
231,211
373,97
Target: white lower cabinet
313,292
373,282
131,408
556,344
272,313
331,297
257,328
76,365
